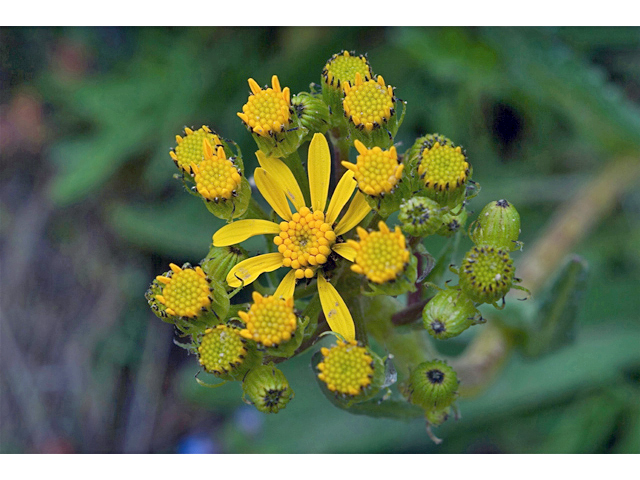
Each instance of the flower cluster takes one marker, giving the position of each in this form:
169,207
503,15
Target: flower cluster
345,232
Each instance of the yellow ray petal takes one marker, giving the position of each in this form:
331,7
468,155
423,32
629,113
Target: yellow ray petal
239,231
335,310
345,250
340,197
272,193
358,209
287,285
277,169
251,268
319,165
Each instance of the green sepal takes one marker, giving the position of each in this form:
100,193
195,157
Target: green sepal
220,260
283,144
384,135
403,284
389,203
555,322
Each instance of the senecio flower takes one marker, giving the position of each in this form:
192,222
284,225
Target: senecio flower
189,149
377,171
306,238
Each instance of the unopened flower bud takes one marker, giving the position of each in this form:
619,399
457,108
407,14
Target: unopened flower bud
486,274
312,112
451,224
433,385
498,225
449,313
421,216
267,389
220,260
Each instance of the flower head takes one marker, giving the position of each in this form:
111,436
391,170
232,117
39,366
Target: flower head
342,67
306,238
270,320
267,111
346,368
368,104
433,385
444,172
222,350
217,178
185,292
189,149
382,256
487,274
376,171
420,216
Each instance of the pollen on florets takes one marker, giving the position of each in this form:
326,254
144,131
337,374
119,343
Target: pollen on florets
270,320
342,67
185,292
381,256
189,148
376,171
267,111
305,242
217,178
368,104
486,274
346,368
222,350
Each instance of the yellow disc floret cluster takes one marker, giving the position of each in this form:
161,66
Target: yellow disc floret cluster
186,292
305,242
216,177
267,111
346,368
341,69
368,104
270,320
443,167
377,171
222,349
189,148
381,256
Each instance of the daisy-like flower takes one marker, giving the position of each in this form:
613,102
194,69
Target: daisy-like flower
189,149
306,238
217,178
270,320
186,292
444,172
376,171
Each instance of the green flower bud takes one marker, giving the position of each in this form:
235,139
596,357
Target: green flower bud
486,274
438,416
312,112
223,352
449,313
451,224
267,388
498,225
433,385
421,216
220,260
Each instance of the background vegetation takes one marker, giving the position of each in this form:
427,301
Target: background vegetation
89,213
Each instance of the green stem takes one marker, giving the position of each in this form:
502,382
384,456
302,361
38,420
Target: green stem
254,210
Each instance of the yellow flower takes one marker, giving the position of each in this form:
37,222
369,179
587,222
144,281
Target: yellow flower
306,238
346,368
381,256
270,320
216,177
443,167
189,149
368,104
186,292
342,67
267,111
377,171
222,350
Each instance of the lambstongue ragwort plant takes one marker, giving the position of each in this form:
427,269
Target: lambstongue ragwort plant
341,264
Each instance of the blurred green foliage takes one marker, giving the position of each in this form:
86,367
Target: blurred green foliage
539,111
